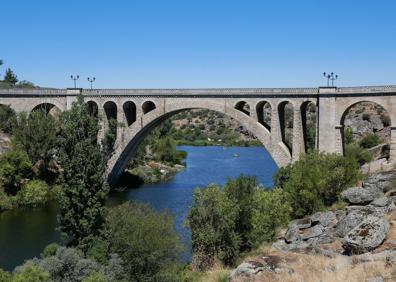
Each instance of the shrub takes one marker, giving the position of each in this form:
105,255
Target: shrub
15,166
370,140
146,240
7,116
271,211
316,180
358,153
95,277
348,135
386,121
6,202
5,276
49,250
33,193
30,272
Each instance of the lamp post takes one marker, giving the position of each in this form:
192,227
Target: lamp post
75,78
91,80
331,77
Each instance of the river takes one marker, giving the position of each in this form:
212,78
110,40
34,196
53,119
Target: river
25,232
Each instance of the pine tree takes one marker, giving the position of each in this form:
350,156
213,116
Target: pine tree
83,177
10,77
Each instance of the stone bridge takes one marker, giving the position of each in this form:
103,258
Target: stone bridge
140,110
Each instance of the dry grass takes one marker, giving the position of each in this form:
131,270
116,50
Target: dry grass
309,267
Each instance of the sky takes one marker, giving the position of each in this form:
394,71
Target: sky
199,44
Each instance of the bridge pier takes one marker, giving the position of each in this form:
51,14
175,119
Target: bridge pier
298,134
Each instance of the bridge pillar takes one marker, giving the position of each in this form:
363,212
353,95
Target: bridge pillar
328,132
298,135
102,124
392,153
276,134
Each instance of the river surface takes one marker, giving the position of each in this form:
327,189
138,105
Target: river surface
25,232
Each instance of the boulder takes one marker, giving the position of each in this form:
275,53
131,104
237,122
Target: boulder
312,232
379,181
292,234
380,202
302,223
355,215
359,196
323,218
246,270
366,236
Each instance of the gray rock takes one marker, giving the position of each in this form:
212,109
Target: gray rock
326,238
379,181
246,270
355,215
359,196
323,218
292,234
375,279
302,223
367,236
380,202
312,232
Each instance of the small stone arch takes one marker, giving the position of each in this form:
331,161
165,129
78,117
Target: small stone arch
48,108
264,113
93,108
110,109
129,108
148,106
309,118
286,123
243,106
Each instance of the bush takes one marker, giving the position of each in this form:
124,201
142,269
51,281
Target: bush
358,153
15,166
30,272
5,276
6,202
316,180
271,211
348,135
49,250
33,193
146,240
386,121
7,116
370,140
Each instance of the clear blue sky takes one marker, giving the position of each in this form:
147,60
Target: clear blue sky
201,43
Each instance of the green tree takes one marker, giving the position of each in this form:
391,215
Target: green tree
145,239
316,180
83,174
10,77
37,135
30,273
15,166
370,141
242,192
358,153
7,116
33,193
212,219
271,211
5,276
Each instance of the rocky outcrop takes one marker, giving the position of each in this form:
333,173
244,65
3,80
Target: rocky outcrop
367,236
359,196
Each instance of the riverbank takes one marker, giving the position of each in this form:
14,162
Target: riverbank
155,172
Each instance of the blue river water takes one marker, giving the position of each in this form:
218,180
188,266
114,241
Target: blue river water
25,232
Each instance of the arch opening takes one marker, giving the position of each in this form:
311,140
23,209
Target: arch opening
48,108
263,110
243,107
188,123
286,122
148,106
366,131
310,126
129,108
110,122
93,108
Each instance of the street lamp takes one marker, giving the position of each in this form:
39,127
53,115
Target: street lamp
75,78
91,80
331,77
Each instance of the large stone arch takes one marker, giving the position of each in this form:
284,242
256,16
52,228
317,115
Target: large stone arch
48,108
137,132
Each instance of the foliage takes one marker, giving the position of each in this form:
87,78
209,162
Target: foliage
5,276
348,135
37,135
6,202
385,119
50,250
110,136
242,191
7,116
370,140
30,273
165,151
95,277
366,117
271,211
316,180
96,248
145,240
15,167
83,180
212,220
10,77
358,153
33,193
